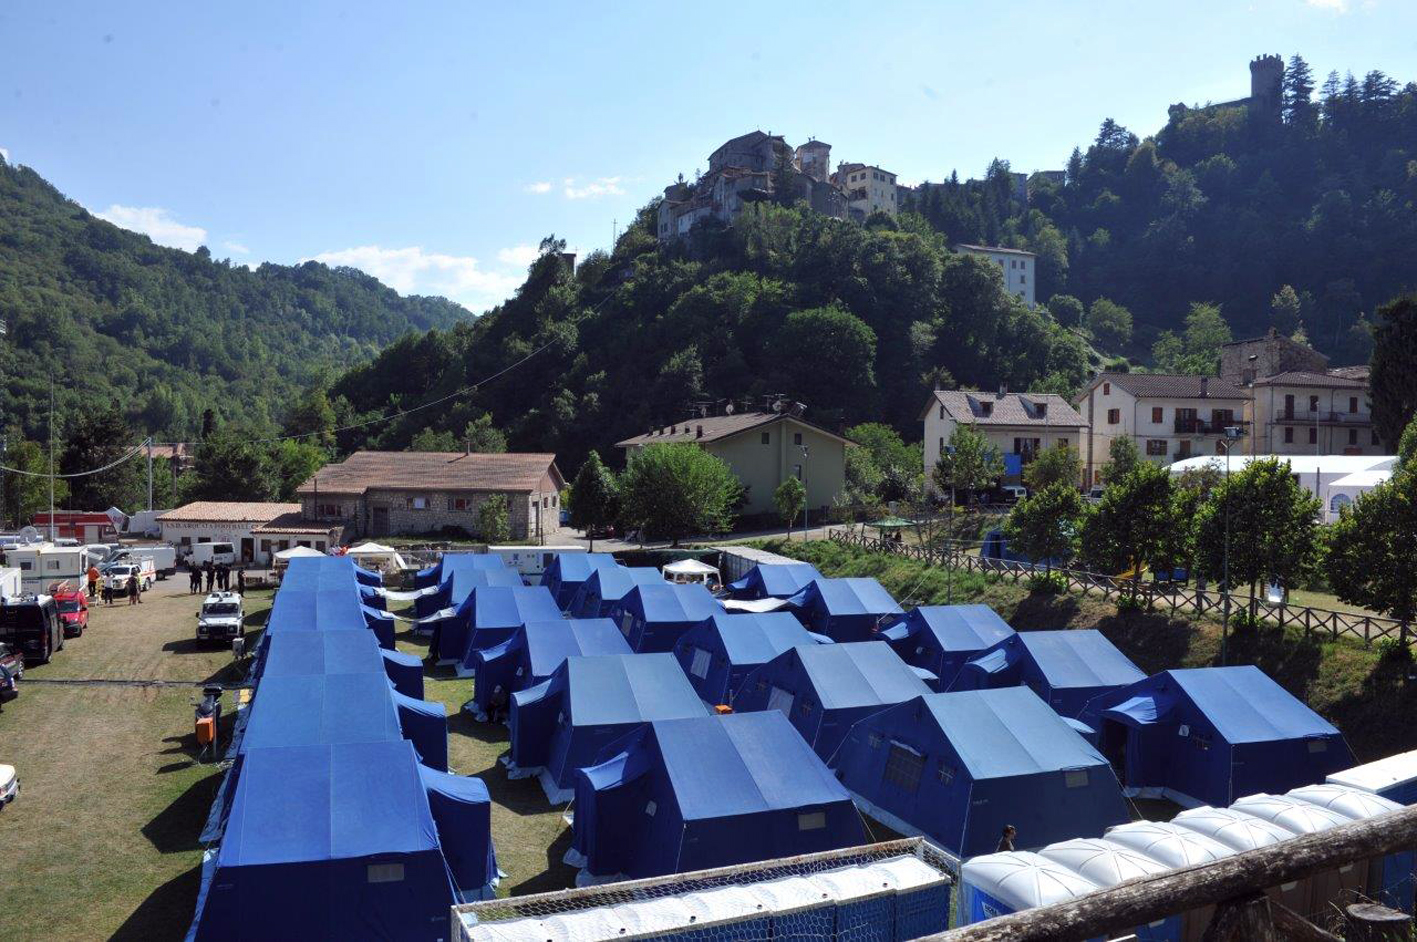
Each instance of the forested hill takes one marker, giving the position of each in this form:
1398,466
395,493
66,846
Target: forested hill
165,335
1225,206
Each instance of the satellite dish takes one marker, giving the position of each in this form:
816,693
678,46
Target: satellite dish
777,406
30,535
728,409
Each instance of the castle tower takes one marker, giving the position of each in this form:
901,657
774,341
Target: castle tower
814,159
1267,85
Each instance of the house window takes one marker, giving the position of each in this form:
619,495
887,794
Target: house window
1023,279
1043,410
1289,434
462,503
1183,449
1352,403
903,767
1114,416
1375,438
796,438
797,471
1313,436
417,503
1156,447
546,502
1106,389
1313,403
767,438
942,444
1158,414
1353,436
553,499
700,664
320,545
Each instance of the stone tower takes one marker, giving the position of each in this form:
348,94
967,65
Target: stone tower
1267,85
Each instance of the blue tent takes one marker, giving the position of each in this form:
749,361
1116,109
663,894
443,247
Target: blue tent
328,842
599,593
773,581
1215,734
825,688
941,638
569,571
720,652
436,573
957,767
324,609
533,654
653,616
339,652
492,615
367,577
462,809
371,598
563,723
712,791
844,609
1070,670
319,709
459,584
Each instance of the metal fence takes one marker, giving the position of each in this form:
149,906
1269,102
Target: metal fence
1173,597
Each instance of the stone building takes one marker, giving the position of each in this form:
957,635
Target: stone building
1273,354
387,493
868,189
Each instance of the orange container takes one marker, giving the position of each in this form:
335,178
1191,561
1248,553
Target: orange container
206,730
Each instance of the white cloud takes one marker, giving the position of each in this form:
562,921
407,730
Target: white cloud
601,186
236,247
157,224
541,186
519,255
5,155
413,271
1337,6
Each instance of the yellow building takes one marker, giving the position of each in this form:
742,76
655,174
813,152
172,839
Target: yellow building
763,449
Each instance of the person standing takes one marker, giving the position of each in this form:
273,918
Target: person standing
194,579
241,581
211,575
1006,842
135,590
93,581
107,592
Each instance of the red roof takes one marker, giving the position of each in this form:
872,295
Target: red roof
434,470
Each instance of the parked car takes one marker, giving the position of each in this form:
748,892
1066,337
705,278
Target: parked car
73,607
120,574
1013,493
9,785
1095,492
221,617
12,668
30,625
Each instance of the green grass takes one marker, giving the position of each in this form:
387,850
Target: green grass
1349,684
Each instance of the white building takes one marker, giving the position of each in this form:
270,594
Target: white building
868,189
1301,412
1020,425
255,530
1337,480
1019,268
1170,418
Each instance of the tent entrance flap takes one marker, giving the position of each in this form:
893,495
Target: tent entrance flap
991,663
1145,710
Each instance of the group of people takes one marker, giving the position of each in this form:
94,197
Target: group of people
133,587
217,577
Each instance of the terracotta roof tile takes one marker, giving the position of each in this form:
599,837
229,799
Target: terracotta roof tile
1042,410
716,427
433,470
1171,386
295,523
229,512
1328,380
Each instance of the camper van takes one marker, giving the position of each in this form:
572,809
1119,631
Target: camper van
43,564
531,561
217,553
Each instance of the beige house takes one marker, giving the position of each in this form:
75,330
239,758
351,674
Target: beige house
868,189
386,493
255,530
763,449
1168,417
1020,425
1313,413
1019,268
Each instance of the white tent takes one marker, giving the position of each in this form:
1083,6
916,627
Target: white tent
690,570
1345,491
376,556
295,552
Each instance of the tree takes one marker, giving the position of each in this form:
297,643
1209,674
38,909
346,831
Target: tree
790,498
1370,551
827,357
1045,526
1110,323
313,418
481,436
430,440
1392,379
98,437
883,466
1066,310
492,523
28,494
1057,465
230,467
677,490
293,463
593,497
1298,91
967,463
1272,526
1122,458
1198,351
1286,311
1129,529
1407,446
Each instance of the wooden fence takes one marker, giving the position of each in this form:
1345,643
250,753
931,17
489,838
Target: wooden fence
1173,597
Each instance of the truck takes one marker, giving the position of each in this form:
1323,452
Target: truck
163,556
218,553
42,564
221,617
30,625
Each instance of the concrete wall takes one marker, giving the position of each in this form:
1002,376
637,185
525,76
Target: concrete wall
1342,424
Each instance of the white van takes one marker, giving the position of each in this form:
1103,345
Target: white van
217,553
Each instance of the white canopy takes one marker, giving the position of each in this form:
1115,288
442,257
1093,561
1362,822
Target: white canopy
377,555
689,567
297,551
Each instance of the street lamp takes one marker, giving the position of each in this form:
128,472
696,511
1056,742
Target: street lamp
806,504
1232,435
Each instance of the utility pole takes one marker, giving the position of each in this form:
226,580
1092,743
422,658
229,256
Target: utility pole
52,533
150,472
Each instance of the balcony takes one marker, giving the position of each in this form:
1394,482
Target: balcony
1310,417
1200,426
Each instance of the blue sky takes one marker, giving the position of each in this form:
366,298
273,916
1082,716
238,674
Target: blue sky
433,144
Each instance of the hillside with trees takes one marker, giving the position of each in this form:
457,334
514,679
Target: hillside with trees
173,340
1302,218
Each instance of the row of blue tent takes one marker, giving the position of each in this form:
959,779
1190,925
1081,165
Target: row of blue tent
338,817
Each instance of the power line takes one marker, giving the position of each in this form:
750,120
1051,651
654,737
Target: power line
131,453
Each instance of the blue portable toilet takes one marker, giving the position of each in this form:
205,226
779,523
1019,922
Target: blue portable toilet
844,609
1175,846
941,638
995,885
569,571
328,841
1210,735
719,652
563,723
532,655
710,791
1393,778
1070,670
599,593
958,767
996,546
653,616
1390,877
773,581
825,688
1104,863
1300,817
